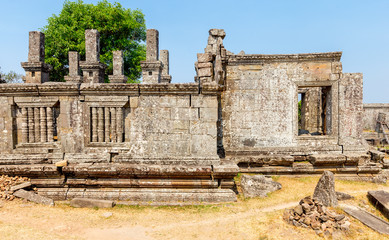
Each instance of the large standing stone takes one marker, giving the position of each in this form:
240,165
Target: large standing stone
258,185
325,190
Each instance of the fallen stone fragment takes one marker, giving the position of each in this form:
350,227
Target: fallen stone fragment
380,199
33,197
258,185
20,186
377,156
366,218
341,196
62,163
91,203
107,214
325,190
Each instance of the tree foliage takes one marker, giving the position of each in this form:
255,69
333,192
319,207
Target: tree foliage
119,28
11,77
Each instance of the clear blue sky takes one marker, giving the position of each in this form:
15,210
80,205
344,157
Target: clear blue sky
358,28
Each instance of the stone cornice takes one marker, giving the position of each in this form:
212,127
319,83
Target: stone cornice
29,89
36,66
376,105
112,89
263,58
169,88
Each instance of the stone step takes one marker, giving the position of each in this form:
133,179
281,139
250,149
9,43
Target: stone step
148,195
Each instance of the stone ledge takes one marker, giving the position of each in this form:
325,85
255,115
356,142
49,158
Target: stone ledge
144,195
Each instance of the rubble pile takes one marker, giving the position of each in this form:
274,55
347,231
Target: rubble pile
6,183
311,213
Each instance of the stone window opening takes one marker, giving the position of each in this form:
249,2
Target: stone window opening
90,74
32,74
314,111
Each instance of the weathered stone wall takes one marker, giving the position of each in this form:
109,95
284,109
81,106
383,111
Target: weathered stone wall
370,114
260,100
350,110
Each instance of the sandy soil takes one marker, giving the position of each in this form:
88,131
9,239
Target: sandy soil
257,218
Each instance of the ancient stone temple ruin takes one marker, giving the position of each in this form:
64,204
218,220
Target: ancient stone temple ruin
164,142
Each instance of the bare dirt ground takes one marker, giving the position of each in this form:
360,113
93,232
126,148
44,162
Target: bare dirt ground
256,218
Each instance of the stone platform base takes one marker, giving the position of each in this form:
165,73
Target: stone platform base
143,195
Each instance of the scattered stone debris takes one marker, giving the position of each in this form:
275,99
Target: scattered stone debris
325,190
377,156
107,214
341,196
311,213
258,185
91,203
380,199
8,184
367,218
33,197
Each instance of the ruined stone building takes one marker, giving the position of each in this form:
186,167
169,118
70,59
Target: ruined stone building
159,141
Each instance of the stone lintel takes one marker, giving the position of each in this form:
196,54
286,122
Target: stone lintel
261,58
151,65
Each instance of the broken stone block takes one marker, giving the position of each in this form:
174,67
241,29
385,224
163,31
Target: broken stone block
258,185
20,186
204,57
366,218
380,199
33,197
341,196
62,163
377,156
91,203
325,190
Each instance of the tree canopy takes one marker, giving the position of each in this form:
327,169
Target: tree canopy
10,77
119,28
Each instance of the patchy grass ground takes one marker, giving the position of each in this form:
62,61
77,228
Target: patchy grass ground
257,218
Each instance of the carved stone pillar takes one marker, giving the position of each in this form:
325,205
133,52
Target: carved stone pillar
107,124
30,114
119,124
94,124
43,124
50,134
37,124
113,124
24,125
100,126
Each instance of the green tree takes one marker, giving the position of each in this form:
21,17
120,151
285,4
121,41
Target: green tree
120,29
11,77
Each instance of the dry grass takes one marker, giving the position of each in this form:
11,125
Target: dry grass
257,218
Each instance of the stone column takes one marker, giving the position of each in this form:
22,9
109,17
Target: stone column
118,72
113,124
37,122
74,68
119,124
43,124
50,132
24,125
94,124
30,114
165,77
152,67
92,69
100,124
107,124
37,71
